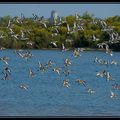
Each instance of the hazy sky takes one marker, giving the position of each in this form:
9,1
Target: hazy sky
99,10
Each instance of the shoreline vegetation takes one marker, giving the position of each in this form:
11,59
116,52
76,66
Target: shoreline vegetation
73,31
84,49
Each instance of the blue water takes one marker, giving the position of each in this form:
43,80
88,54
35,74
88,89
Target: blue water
46,95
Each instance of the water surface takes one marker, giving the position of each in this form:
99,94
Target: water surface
46,95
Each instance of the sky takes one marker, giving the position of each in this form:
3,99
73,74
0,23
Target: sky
98,10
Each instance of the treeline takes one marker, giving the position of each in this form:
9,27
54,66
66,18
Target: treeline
84,31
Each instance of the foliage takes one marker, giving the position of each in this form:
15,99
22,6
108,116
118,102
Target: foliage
36,32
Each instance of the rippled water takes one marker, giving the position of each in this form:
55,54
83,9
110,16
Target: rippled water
46,95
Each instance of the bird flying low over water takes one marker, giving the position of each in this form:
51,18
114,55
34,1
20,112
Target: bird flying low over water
109,52
50,63
76,53
105,46
105,74
2,48
82,82
109,77
6,76
4,59
31,74
63,47
67,62
112,94
24,87
101,61
57,70
25,54
100,74
66,83
42,67
7,70
116,86
90,91
102,45
113,62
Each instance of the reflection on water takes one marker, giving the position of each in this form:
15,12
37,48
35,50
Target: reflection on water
46,95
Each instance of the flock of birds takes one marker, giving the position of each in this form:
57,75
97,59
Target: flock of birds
79,24
26,54
43,68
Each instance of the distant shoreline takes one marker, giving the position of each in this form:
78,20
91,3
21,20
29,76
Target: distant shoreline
84,49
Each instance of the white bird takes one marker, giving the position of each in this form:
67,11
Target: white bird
114,62
7,70
9,24
42,67
57,70
76,53
109,52
112,94
23,36
53,43
2,48
67,62
69,40
44,24
23,86
81,28
49,63
31,73
54,34
104,23
90,91
64,48
94,38
116,86
29,43
1,36
25,55
94,22
79,81
56,30
4,59
18,20
11,31
76,16
101,45
108,76
74,25
15,36
66,83
101,74
68,29
96,59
